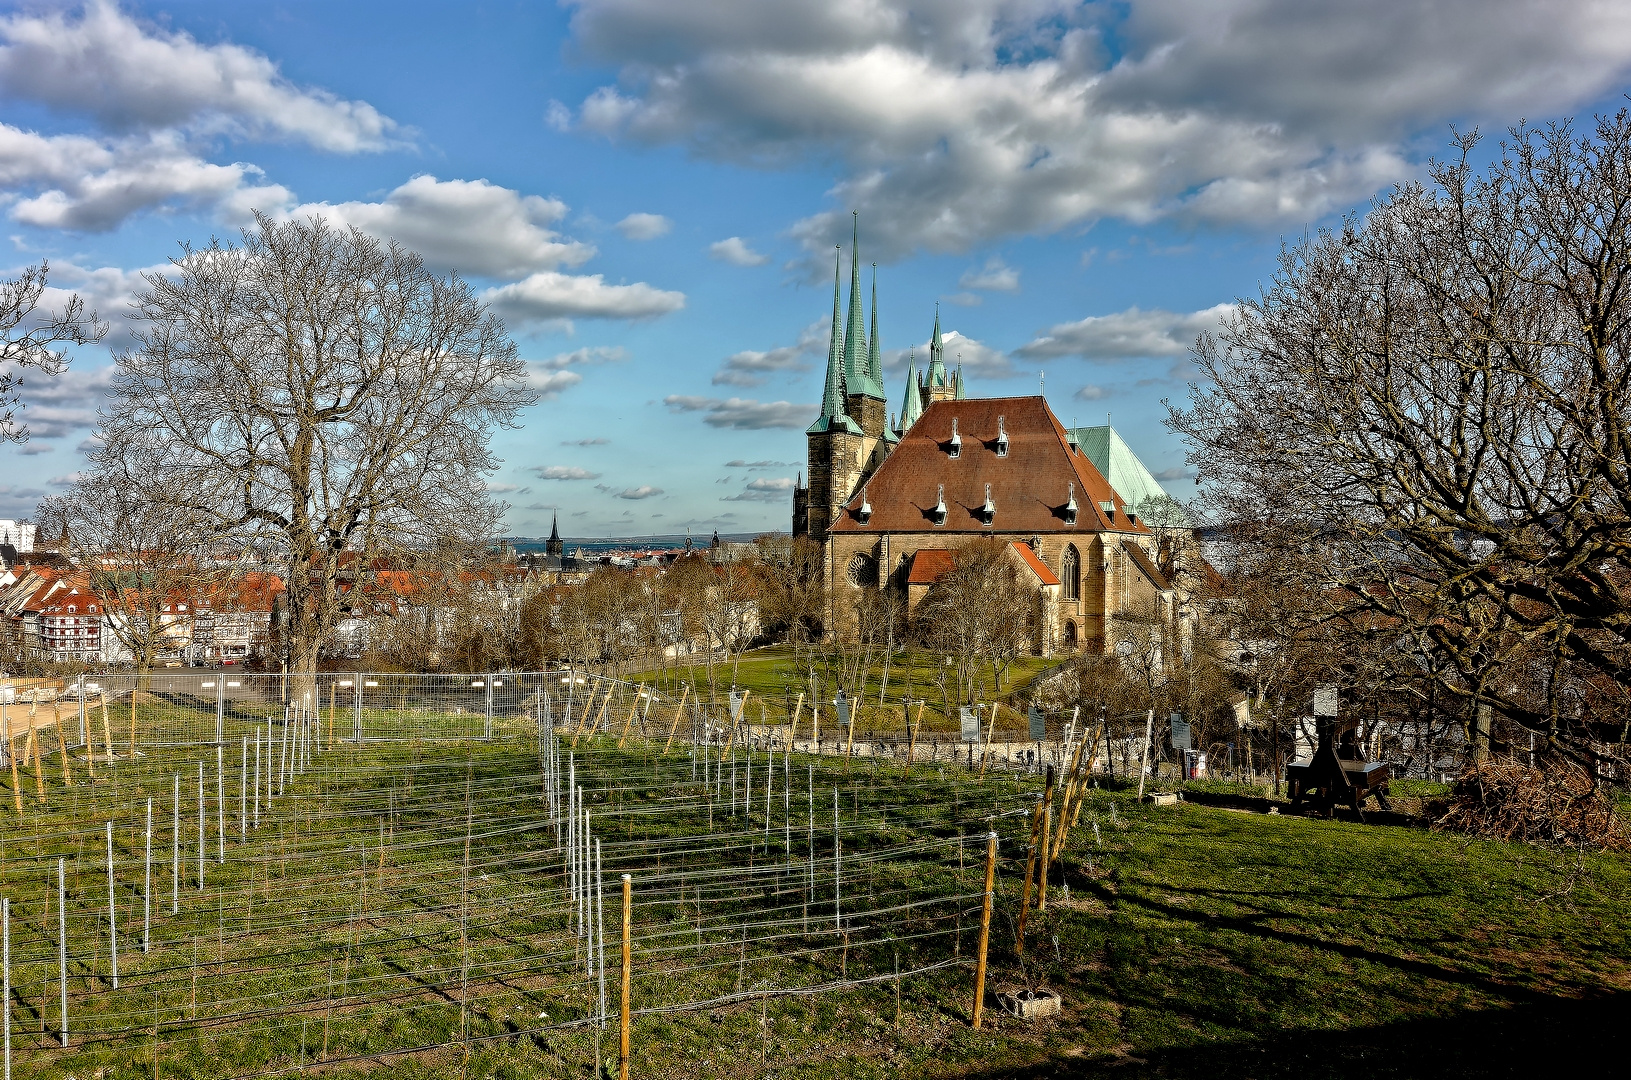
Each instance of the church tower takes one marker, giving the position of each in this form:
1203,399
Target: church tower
938,384
834,443
554,549
853,434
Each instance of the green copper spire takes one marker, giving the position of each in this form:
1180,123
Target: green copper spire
833,415
937,362
857,374
874,363
912,406
961,394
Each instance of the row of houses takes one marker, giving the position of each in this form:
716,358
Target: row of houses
52,610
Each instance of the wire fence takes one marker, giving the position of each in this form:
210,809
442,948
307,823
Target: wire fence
271,881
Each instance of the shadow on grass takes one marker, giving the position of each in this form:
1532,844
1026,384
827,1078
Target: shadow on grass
1540,1039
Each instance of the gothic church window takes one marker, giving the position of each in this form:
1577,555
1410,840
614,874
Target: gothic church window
863,570
1072,574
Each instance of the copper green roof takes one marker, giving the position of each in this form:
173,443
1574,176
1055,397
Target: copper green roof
1116,461
833,416
857,374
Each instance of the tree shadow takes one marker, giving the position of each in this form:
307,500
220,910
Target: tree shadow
1540,1038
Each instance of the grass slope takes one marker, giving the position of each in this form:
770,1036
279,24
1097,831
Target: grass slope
1193,942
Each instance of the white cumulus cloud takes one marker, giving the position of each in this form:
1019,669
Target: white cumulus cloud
131,76
549,296
644,226
995,276
752,367
744,414
735,250
563,472
471,226
953,124
1132,333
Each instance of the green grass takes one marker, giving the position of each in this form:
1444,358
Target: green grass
774,678
1194,942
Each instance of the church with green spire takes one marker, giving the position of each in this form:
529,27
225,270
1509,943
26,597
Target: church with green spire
891,499
855,430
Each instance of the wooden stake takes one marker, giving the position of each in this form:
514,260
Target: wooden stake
623,1007
1071,809
1030,872
332,690
985,926
39,762
730,732
16,785
679,711
62,744
90,751
107,732
911,746
629,723
1144,757
990,734
793,728
849,742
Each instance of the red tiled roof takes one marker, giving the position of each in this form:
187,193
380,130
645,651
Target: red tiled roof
928,566
1029,486
1038,567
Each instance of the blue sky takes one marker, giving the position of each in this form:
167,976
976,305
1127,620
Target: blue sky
649,190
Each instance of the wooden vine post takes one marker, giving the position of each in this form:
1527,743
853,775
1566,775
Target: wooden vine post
985,926
629,723
911,745
679,711
990,735
1030,872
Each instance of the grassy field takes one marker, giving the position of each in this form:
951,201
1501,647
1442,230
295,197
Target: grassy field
1187,942
776,681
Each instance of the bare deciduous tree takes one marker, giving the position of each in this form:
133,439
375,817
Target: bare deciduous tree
322,393
145,553
26,340
1426,416
981,614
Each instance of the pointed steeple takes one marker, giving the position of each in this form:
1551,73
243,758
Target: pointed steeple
555,526
911,406
937,361
961,390
833,416
855,325
874,362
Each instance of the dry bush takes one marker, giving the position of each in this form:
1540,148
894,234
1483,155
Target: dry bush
1505,800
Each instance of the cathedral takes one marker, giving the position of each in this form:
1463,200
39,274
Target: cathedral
891,497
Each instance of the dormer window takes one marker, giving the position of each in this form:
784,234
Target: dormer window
988,509
955,447
1070,507
939,511
864,514
1002,437
1109,508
